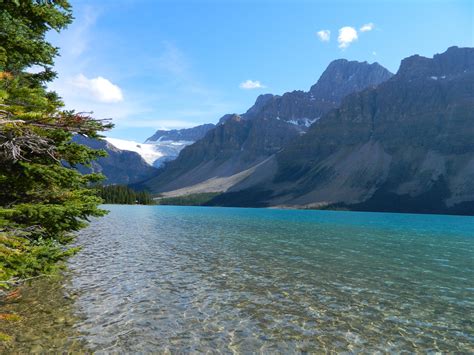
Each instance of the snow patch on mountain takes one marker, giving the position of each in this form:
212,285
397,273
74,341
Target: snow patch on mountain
306,122
148,152
154,154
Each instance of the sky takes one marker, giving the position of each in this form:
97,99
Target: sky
164,64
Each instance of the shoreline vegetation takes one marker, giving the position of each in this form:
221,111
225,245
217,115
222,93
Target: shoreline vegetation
124,195
44,199
218,199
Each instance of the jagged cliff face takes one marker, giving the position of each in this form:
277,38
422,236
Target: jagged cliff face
241,142
119,167
301,108
407,145
343,77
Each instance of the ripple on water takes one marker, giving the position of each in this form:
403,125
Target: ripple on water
155,278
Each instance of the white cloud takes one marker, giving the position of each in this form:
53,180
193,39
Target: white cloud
324,35
347,35
367,27
99,88
251,84
374,53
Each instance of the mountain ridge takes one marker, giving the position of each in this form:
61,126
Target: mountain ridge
240,142
184,134
119,167
130,162
405,146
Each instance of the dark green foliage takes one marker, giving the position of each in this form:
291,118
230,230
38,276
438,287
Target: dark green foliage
22,258
201,199
120,194
24,24
42,197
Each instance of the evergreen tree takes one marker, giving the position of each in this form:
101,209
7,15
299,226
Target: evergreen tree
119,194
42,197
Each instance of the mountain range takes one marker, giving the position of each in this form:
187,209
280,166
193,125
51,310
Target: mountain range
240,144
407,145
119,167
361,138
130,162
376,142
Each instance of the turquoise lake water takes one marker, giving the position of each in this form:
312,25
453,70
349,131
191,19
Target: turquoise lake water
163,278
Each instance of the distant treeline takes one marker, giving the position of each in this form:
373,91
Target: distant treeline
120,194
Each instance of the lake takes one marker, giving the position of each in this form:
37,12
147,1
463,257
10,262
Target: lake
196,279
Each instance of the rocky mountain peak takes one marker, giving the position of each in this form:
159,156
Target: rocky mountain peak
261,101
229,117
300,108
453,61
235,118
252,112
343,77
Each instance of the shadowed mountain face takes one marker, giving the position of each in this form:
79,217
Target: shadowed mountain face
119,167
407,145
239,144
342,78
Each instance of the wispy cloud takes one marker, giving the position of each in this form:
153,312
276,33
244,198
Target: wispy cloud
347,35
162,90
99,89
324,35
251,84
76,40
367,27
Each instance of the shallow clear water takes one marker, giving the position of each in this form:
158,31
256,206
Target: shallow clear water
157,278
46,319
184,279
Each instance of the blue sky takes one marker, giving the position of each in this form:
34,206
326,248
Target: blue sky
172,64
